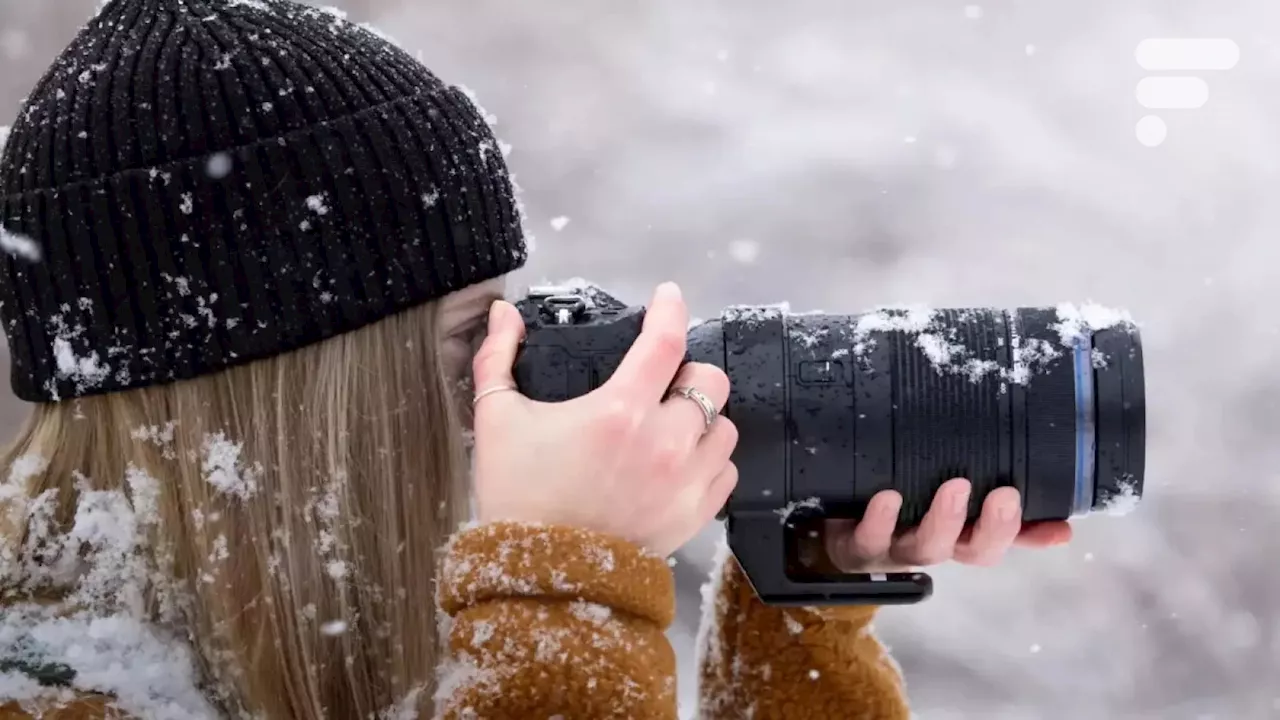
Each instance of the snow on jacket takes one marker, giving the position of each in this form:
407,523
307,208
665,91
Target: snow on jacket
555,622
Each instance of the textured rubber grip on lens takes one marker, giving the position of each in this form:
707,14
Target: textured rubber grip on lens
949,413
1050,422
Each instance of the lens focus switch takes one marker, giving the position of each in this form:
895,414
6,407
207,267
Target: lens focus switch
819,372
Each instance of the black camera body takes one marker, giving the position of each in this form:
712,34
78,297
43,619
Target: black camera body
832,409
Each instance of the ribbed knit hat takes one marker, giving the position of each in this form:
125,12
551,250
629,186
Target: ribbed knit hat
196,184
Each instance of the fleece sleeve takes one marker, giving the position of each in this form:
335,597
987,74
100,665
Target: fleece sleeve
74,706
776,663
554,622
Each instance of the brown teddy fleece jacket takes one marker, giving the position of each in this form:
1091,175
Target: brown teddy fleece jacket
550,622
566,624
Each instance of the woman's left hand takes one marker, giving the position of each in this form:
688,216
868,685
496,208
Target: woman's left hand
869,544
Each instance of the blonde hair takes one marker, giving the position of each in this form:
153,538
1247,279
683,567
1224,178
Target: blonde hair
298,503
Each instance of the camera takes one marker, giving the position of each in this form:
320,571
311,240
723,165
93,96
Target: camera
832,409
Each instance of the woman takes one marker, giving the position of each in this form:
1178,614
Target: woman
250,247
249,251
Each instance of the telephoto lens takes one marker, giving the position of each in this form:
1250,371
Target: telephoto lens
832,409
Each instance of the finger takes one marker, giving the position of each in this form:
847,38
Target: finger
836,534
995,530
497,355
934,540
1044,534
646,371
715,448
870,539
699,501
717,493
684,415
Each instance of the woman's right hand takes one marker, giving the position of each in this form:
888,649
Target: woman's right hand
626,459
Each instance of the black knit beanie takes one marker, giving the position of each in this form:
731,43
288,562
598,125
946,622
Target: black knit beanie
196,184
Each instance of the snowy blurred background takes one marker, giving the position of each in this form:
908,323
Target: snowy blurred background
839,154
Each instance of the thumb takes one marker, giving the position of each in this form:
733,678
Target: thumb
492,365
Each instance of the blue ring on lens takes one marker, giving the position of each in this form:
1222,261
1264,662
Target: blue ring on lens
1086,425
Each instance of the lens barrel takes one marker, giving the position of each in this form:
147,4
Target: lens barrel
834,408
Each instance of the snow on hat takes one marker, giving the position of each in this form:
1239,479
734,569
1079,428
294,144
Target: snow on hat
196,184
